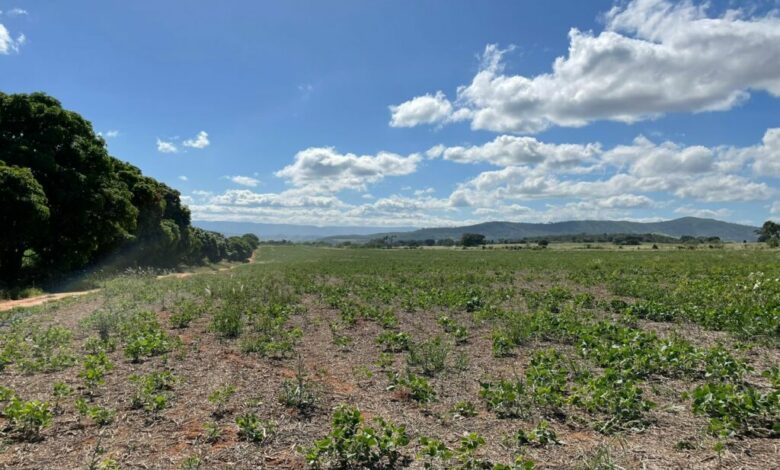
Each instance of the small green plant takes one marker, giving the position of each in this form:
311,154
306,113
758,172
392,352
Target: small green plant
458,331
507,399
60,390
434,452
394,341
463,409
100,415
251,428
191,463
738,410
213,431
502,345
219,397
96,366
429,356
615,396
28,418
152,390
385,360
145,337
542,435
184,312
416,387
299,394
352,445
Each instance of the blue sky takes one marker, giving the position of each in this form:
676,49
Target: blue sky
426,113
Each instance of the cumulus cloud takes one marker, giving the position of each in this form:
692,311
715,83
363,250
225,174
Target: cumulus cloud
507,150
183,178
324,169
200,141
244,180
653,57
426,109
166,146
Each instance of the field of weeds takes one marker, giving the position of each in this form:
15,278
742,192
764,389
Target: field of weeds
347,358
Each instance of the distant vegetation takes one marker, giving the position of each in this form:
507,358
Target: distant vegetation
67,204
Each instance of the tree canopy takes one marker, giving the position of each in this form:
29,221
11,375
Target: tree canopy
69,204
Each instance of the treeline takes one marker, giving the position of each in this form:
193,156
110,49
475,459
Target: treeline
66,204
475,239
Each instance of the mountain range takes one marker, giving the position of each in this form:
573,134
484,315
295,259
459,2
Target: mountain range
694,226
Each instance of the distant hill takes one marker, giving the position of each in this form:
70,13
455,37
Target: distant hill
693,226
290,231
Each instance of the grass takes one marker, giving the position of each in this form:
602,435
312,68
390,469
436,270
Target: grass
451,358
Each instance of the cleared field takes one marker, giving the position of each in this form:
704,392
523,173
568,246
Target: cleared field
454,359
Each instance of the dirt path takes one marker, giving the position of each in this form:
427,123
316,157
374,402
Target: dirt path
42,299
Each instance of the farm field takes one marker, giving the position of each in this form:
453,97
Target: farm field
440,358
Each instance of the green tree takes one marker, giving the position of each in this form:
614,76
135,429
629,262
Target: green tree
91,212
472,239
23,218
769,232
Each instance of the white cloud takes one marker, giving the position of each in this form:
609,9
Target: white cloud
200,141
324,169
183,178
426,109
654,57
775,208
507,150
7,43
244,180
110,134
166,147
704,213
767,155
646,158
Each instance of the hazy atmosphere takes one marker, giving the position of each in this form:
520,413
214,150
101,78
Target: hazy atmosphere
421,113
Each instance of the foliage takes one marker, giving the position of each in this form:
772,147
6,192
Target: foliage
738,409
152,390
506,398
417,388
353,445
28,418
219,397
251,428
